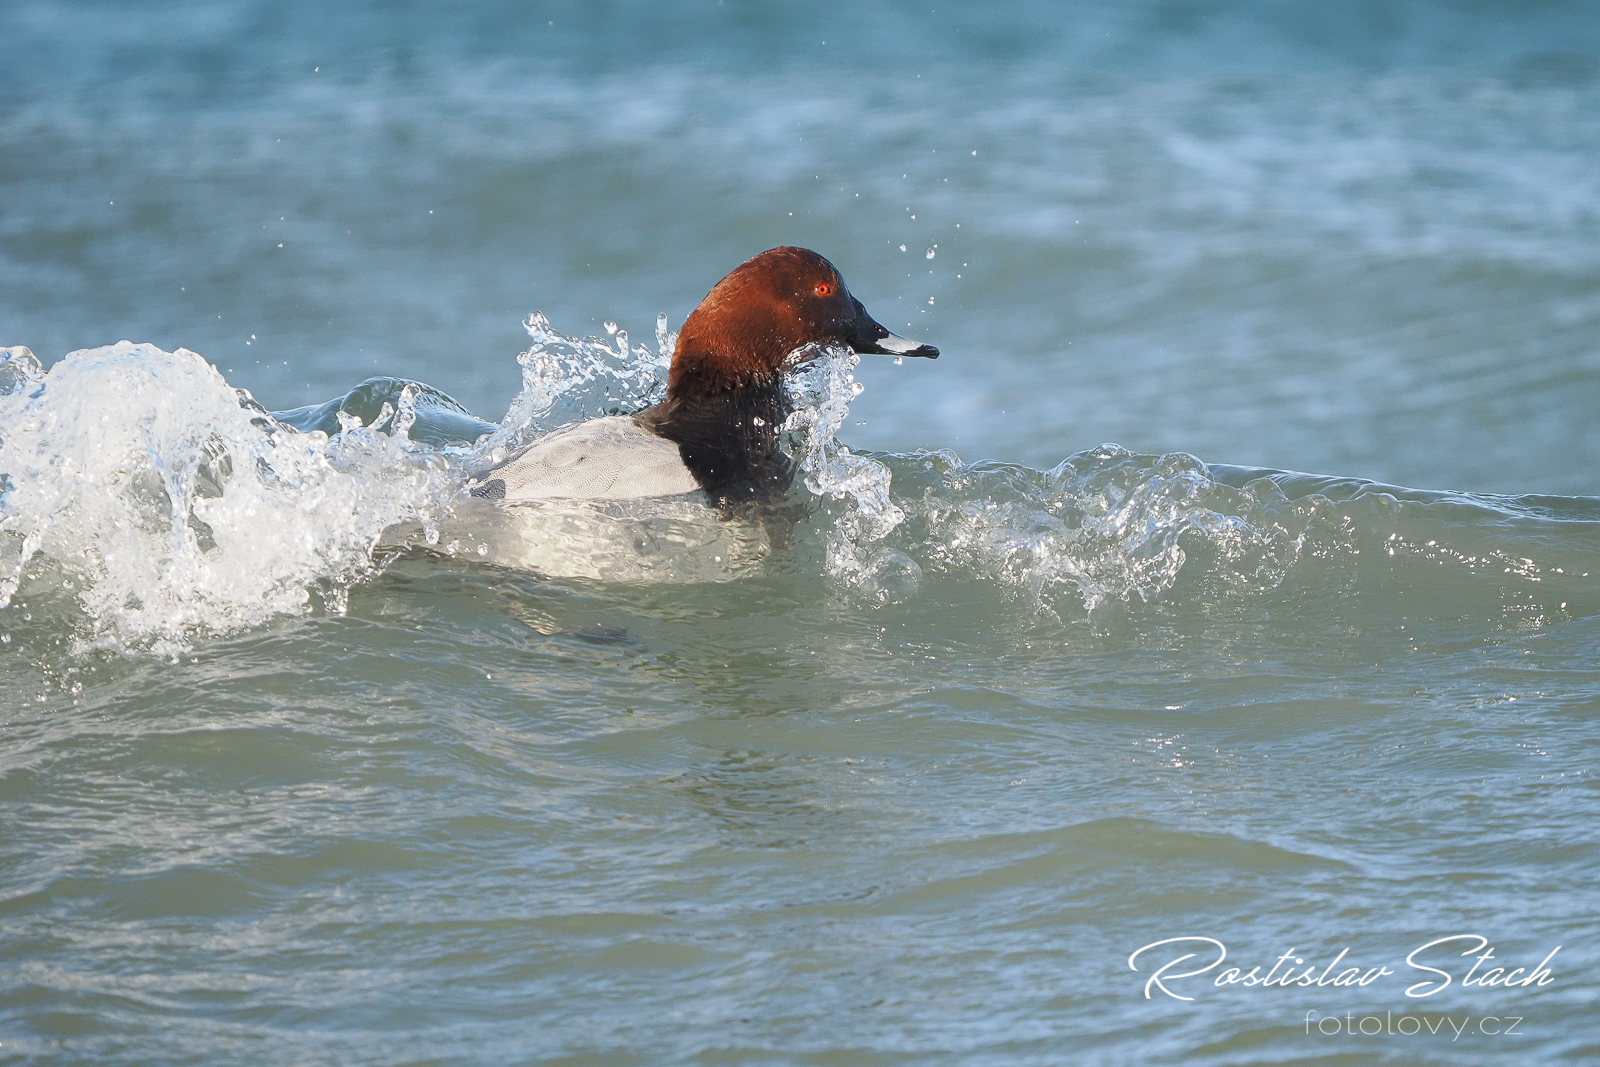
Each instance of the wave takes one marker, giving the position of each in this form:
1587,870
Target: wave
165,502
144,502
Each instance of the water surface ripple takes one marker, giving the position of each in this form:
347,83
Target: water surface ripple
306,757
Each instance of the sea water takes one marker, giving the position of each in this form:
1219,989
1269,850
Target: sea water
308,757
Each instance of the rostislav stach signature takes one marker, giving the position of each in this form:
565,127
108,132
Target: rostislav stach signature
1173,963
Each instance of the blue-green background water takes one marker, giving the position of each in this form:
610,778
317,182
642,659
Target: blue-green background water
894,790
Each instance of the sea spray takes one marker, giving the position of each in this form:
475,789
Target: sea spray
822,391
571,379
170,503
164,503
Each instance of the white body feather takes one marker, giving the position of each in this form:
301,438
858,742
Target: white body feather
610,458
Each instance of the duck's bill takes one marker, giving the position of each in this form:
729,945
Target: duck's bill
892,344
870,337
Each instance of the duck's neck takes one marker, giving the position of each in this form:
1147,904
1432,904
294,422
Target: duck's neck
728,438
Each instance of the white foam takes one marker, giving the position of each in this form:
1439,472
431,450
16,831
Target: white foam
167,503
171,504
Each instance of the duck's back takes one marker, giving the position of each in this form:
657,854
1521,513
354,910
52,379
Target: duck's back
611,457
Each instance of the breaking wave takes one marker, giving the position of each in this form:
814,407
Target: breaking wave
149,502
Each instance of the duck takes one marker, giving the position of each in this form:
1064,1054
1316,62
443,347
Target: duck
716,431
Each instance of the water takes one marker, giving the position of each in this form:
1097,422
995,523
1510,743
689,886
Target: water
307,759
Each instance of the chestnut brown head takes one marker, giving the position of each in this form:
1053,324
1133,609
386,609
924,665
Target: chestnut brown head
748,327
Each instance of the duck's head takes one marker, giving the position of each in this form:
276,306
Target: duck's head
749,327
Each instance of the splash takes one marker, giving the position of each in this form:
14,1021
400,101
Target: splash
1104,524
821,393
168,503
138,486
571,379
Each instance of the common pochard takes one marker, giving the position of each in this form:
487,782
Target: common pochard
717,430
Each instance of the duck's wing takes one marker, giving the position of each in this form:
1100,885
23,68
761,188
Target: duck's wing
609,457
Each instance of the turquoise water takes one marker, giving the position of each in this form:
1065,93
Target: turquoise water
307,759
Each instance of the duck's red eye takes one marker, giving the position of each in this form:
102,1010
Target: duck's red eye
823,289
